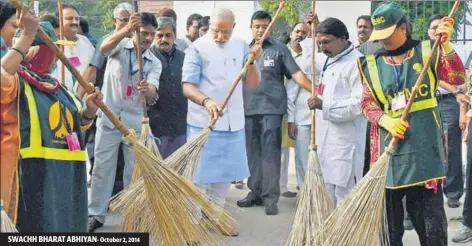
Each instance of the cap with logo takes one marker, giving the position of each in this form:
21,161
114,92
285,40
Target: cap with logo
385,19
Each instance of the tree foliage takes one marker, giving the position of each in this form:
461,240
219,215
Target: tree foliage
419,12
292,13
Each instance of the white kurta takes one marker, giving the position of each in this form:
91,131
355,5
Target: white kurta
340,126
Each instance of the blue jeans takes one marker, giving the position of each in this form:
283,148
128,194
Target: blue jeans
449,110
467,213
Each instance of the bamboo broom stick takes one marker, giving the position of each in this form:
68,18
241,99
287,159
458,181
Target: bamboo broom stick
185,160
61,37
180,160
360,217
175,196
314,204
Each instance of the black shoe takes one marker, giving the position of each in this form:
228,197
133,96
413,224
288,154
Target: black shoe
94,224
271,209
249,201
289,194
453,203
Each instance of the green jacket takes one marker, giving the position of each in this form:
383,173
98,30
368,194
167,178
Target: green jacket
419,157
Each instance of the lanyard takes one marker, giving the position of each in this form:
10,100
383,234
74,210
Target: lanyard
326,64
63,106
398,72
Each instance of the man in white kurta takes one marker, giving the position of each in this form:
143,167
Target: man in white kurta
211,65
340,126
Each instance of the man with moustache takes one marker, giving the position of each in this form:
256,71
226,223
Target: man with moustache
79,49
178,43
364,29
299,115
168,117
121,90
264,108
340,126
95,74
211,64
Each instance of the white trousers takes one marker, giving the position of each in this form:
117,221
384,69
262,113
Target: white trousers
338,193
216,192
285,159
301,152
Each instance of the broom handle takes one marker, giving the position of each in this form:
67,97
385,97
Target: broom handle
140,62
47,40
313,82
61,37
250,59
418,82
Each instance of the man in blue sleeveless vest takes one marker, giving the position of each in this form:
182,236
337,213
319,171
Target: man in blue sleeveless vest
416,168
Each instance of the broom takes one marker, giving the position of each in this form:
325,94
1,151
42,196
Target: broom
146,134
360,218
147,138
314,204
185,160
7,225
175,196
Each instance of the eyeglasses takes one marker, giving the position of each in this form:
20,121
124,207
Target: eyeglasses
126,20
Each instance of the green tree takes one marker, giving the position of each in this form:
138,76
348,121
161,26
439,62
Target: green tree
289,16
419,12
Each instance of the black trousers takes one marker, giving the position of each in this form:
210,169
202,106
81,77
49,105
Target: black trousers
426,211
263,146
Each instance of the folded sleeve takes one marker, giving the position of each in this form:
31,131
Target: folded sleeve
192,68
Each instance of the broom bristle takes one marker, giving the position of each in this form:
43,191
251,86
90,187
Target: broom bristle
358,220
6,223
147,138
133,202
186,159
174,204
313,206
132,218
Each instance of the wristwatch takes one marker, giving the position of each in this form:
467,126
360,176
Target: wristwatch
459,91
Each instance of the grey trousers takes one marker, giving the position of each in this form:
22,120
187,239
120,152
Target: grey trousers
449,110
107,143
264,143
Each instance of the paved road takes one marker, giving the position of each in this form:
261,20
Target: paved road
257,229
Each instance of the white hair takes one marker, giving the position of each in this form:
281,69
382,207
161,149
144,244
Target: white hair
123,7
222,12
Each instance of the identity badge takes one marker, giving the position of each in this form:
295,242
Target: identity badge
399,102
74,60
269,62
73,141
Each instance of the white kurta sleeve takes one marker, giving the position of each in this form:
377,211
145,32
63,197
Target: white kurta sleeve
346,109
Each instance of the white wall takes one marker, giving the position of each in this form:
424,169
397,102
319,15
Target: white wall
346,11
242,9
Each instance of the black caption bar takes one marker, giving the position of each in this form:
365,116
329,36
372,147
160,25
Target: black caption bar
137,239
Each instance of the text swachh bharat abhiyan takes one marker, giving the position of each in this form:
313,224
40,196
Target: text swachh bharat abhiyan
121,238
